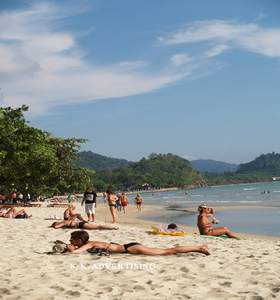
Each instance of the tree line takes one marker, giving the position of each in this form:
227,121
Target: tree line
34,162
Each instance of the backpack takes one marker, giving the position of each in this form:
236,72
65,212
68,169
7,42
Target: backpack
59,247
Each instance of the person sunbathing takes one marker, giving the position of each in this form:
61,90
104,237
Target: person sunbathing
12,213
205,226
70,215
80,242
81,225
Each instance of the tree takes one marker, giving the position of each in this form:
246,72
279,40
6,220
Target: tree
32,161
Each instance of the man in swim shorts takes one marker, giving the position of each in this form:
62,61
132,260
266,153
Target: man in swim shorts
80,242
139,201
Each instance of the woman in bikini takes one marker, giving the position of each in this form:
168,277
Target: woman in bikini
12,213
80,242
81,225
205,226
70,215
112,199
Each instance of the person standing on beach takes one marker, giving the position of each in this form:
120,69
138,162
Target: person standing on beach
14,197
139,201
205,226
90,198
112,199
124,202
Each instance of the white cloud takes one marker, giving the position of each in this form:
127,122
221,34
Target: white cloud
216,50
180,59
13,64
43,67
250,37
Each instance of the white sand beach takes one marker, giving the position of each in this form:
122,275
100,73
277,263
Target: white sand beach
236,269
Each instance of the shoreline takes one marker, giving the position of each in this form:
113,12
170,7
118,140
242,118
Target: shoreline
160,210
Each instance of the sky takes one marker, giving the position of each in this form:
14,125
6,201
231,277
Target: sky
199,79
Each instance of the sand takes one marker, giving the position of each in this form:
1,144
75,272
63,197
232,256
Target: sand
236,269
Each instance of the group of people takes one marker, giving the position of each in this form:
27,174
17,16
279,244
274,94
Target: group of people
16,198
204,225
90,200
79,240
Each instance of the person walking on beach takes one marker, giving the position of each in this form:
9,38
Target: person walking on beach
205,226
90,197
80,242
124,202
112,199
70,215
139,201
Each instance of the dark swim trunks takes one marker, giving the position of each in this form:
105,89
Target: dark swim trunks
81,224
126,246
66,219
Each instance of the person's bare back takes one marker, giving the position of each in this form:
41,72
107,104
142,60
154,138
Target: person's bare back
70,215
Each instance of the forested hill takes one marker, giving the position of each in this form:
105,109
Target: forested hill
158,171
266,164
94,161
213,166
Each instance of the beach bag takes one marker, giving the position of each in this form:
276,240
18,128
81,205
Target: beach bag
59,247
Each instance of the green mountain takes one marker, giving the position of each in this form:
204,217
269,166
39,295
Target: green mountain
213,166
158,171
266,164
94,161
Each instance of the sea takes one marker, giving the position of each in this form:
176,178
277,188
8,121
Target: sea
264,221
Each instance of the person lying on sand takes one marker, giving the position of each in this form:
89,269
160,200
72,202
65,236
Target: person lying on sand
205,226
81,225
70,215
12,213
80,242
